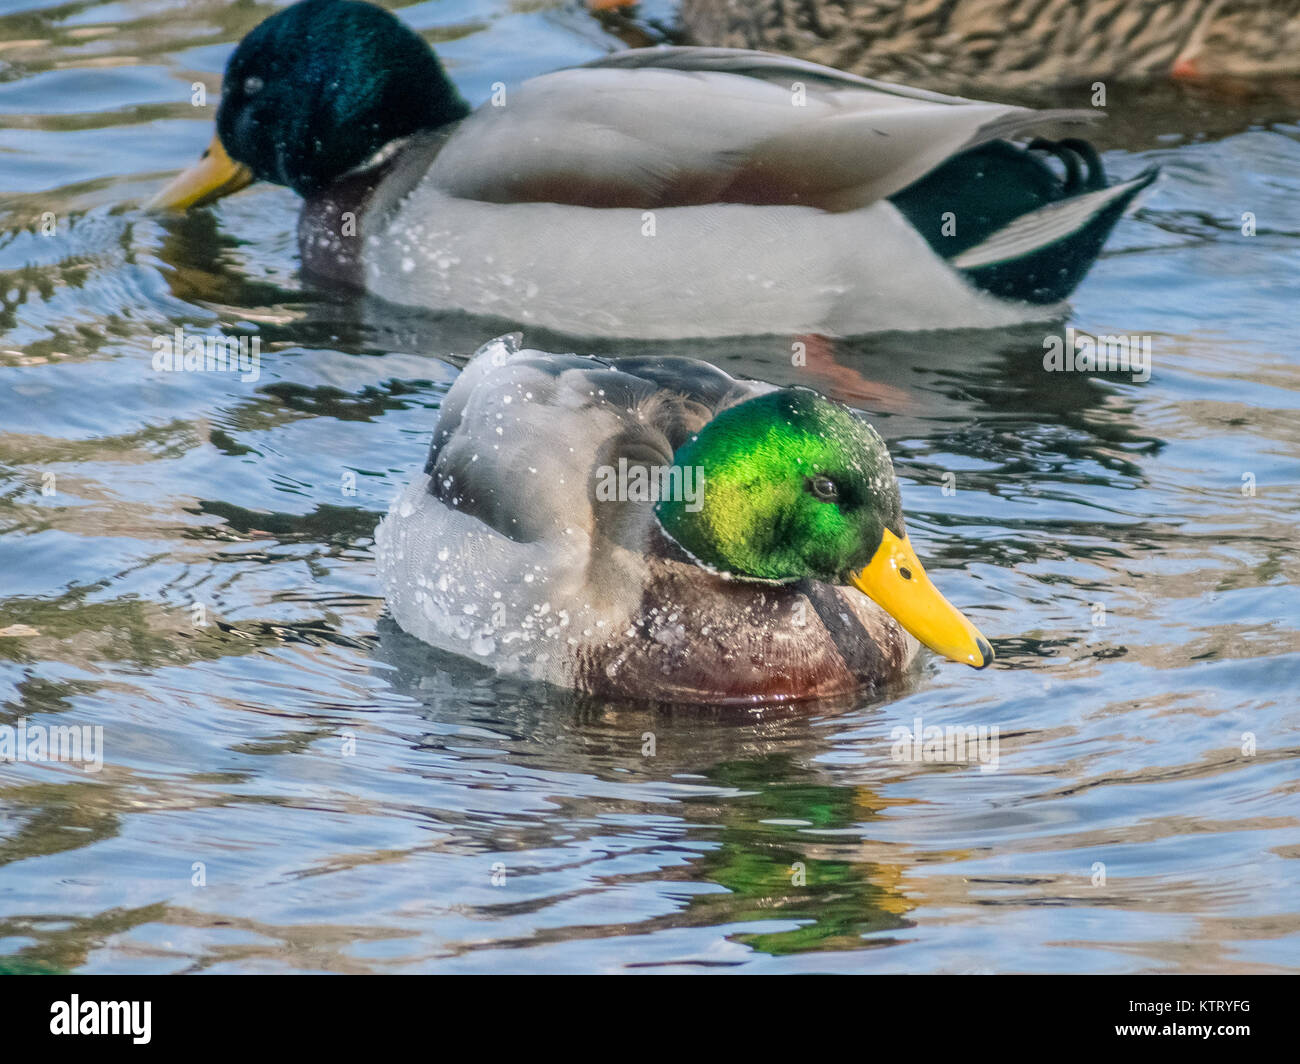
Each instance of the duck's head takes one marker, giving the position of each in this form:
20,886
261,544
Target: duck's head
313,92
795,487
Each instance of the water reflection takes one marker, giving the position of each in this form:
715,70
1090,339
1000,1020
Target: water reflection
747,782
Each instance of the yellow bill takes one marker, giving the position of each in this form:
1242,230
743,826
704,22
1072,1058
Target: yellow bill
215,175
896,582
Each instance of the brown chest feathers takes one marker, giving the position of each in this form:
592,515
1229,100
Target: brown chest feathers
699,637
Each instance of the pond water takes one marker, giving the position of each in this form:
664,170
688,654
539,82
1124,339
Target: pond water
291,784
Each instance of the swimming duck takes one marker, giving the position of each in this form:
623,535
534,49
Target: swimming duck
652,527
654,193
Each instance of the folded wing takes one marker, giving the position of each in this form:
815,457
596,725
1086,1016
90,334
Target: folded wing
522,433
676,127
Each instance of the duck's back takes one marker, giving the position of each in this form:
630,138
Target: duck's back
522,432
749,193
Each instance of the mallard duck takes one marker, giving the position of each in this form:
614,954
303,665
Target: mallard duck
652,527
958,44
653,193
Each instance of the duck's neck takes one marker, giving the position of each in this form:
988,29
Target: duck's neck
334,223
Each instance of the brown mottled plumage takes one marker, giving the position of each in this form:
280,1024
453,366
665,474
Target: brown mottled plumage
961,44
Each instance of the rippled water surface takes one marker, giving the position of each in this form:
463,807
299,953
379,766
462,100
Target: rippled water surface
482,825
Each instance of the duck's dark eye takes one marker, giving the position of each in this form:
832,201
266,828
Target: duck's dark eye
824,488
252,85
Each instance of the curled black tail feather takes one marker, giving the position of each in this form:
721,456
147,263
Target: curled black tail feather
964,203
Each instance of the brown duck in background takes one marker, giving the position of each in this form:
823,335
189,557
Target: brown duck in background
952,44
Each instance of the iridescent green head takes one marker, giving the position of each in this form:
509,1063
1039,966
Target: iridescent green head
798,487
794,486
313,92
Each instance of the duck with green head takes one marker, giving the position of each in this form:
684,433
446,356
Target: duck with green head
749,192
654,528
